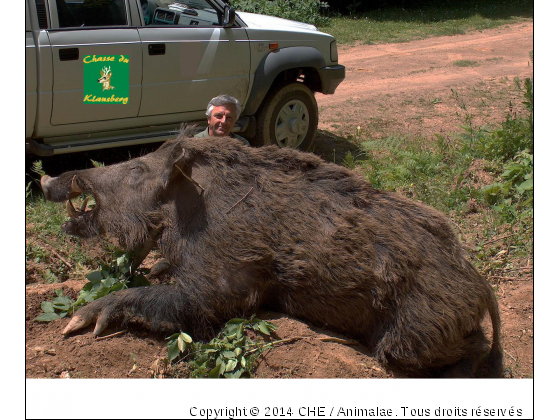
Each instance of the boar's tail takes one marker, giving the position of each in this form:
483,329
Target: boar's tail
494,365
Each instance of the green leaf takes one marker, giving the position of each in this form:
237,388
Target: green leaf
121,261
186,338
214,373
235,321
263,328
271,326
95,277
237,351
240,329
172,350
181,344
63,300
231,364
47,317
47,307
222,368
229,354
235,375
109,282
527,185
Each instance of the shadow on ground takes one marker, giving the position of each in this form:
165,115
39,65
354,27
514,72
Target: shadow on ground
333,148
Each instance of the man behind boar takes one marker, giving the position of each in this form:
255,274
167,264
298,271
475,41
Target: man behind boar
222,112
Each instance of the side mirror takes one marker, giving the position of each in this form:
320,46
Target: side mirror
229,16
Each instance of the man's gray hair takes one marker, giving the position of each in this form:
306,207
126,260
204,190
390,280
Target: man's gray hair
222,100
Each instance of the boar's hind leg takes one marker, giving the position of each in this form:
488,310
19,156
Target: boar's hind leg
161,307
475,349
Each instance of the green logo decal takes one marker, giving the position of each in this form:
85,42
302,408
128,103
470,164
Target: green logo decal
106,79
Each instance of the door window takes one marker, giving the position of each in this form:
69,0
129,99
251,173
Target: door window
81,13
190,13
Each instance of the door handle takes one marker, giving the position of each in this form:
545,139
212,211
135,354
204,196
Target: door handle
156,49
68,54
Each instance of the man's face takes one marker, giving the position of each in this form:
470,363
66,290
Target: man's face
221,120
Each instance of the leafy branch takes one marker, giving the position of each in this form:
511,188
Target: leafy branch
109,279
231,354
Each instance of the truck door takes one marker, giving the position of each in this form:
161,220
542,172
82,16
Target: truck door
30,76
189,58
97,61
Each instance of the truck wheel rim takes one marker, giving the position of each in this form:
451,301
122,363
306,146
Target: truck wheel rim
292,124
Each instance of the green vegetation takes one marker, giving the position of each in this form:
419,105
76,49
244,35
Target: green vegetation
416,168
466,63
400,24
231,354
110,278
308,11
510,149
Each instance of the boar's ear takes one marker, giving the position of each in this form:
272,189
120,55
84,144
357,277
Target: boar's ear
179,164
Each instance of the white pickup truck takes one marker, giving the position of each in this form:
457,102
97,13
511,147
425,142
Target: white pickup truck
107,73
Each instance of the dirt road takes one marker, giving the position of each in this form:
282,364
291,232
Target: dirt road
407,88
422,87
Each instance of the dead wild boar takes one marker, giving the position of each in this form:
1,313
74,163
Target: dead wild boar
243,228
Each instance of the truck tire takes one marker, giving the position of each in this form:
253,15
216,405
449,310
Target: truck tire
288,117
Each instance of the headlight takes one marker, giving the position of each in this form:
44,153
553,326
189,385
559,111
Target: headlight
334,52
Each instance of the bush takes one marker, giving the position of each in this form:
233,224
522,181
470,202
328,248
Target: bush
514,135
308,11
511,145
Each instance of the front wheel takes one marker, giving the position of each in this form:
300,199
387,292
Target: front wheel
288,117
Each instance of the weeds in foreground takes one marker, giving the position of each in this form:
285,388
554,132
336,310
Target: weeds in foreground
109,279
231,354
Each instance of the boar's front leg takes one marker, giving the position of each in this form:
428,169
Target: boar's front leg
161,307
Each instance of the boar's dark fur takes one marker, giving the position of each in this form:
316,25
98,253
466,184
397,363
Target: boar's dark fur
242,228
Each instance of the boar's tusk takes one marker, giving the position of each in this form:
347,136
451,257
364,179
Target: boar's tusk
74,187
72,212
83,208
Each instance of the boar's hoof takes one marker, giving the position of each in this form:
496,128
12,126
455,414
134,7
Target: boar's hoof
97,311
76,323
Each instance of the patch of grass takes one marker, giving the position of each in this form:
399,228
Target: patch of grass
402,25
418,169
466,63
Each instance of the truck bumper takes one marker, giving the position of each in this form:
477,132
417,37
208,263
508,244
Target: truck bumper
331,77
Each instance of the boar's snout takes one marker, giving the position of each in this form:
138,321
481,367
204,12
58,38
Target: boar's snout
60,188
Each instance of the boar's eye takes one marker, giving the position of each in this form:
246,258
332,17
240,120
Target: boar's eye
137,170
